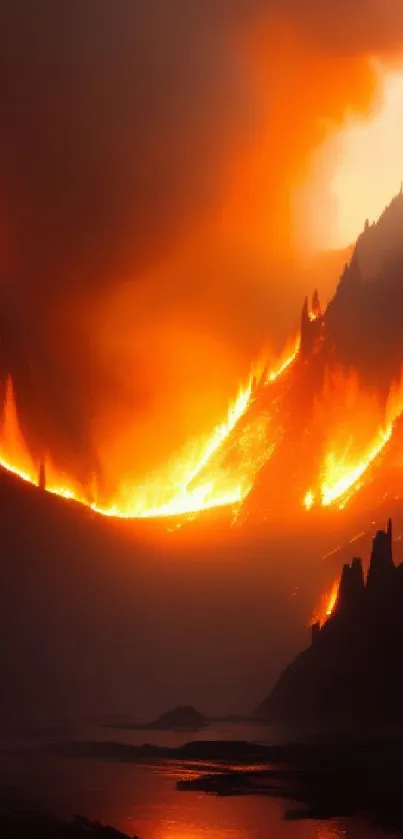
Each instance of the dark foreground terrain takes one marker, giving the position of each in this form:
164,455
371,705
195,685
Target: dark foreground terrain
27,824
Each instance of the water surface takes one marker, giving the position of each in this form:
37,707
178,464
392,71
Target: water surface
143,799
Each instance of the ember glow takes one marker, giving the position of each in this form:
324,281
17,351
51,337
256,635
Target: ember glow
327,605
14,453
285,363
331,600
16,458
356,432
309,500
341,476
193,481
349,425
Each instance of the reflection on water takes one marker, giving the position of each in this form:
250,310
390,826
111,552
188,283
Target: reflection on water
143,799
339,829
330,831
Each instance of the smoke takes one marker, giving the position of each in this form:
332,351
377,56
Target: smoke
148,155
367,27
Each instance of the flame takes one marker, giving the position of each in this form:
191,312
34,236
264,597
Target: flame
198,480
309,500
327,604
331,599
340,477
195,480
186,485
356,431
286,362
349,426
14,453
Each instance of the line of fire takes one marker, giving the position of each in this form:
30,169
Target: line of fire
308,430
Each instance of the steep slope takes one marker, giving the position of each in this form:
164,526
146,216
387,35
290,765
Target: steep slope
364,320
340,409
305,430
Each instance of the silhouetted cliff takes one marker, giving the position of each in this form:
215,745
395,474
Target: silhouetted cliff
353,671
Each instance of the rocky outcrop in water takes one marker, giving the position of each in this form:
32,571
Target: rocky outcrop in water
182,718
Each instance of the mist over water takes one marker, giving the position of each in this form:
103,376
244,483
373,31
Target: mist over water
143,799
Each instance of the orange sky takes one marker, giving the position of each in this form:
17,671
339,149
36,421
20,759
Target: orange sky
369,170
359,165
155,201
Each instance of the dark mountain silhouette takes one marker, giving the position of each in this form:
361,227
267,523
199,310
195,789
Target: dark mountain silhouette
362,324
364,320
352,673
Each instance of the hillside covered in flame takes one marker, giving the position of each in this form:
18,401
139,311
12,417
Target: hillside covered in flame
309,430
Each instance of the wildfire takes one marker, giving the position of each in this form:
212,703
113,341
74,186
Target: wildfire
356,431
195,480
341,477
220,470
331,599
327,604
285,363
14,453
309,500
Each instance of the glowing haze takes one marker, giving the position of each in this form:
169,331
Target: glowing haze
350,424
150,154
189,483
369,164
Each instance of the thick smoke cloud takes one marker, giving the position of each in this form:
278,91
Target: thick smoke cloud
146,155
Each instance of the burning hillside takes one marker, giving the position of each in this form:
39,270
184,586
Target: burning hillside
212,472
309,430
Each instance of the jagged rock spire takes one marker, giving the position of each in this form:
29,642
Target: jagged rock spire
381,564
351,673
380,579
351,587
305,313
316,309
